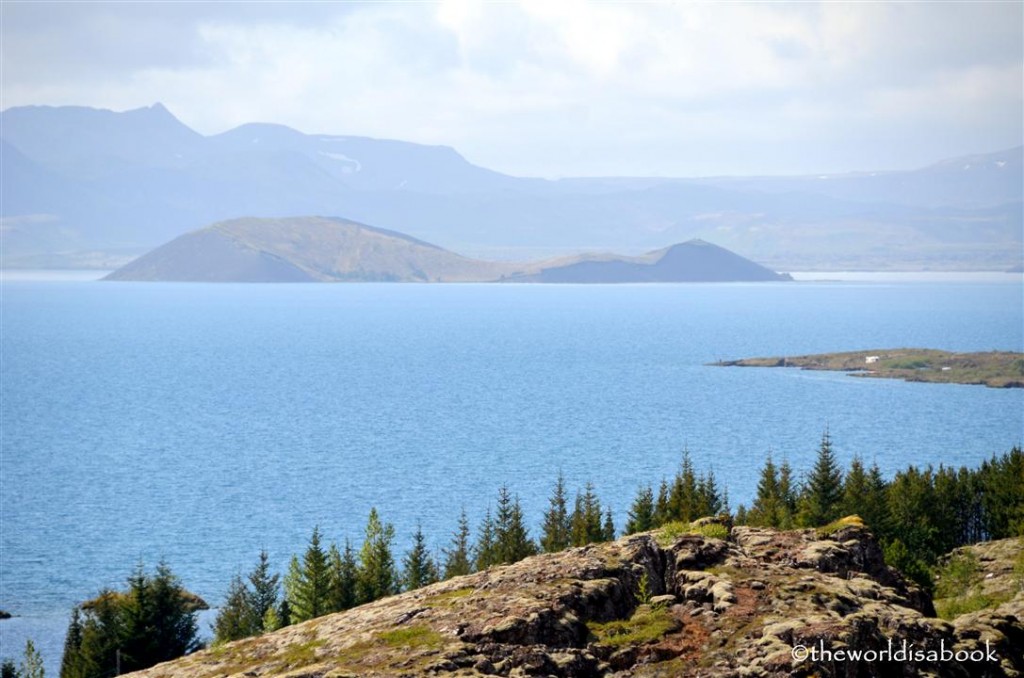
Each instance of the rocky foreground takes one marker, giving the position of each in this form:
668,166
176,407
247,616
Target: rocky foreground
759,603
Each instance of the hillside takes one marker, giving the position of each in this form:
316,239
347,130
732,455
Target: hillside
692,261
79,182
307,249
655,604
320,249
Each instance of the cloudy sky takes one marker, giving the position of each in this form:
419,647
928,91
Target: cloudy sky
546,88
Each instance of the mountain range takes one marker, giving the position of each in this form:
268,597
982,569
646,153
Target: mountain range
94,188
321,249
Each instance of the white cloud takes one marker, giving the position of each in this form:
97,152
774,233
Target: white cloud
562,88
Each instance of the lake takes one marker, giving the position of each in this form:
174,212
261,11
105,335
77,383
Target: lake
200,423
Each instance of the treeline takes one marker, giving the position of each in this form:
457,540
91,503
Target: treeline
327,579
917,515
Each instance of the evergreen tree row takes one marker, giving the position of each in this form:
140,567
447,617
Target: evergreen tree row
917,515
687,497
327,580
929,510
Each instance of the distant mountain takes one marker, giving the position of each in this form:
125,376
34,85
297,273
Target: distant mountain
80,180
971,181
321,249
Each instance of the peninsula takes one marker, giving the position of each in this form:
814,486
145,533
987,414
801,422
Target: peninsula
997,369
328,249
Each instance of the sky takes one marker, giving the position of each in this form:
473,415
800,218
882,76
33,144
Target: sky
554,88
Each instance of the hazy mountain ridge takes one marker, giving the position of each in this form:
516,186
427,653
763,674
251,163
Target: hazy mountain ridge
322,249
102,180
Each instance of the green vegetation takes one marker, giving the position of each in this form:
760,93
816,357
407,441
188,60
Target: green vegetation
917,515
556,533
511,537
648,624
250,605
415,636
449,597
821,499
585,523
998,369
643,589
957,587
31,664
152,622
952,608
419,568
668,533
308,582
836,525
457,556
301,654
688,497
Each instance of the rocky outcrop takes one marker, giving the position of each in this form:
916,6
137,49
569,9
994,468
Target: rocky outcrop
759,603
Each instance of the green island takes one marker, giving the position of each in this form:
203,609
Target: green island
996,369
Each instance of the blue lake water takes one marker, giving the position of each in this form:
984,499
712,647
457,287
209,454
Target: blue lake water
200,423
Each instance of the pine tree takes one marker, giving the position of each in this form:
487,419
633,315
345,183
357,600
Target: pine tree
684,499
158,622
284,613
102,625
641,513
419,568
911,498
457,557
9,670
176,630
272,621
344,573
876,507
709,500
662,509
608,529
767,509
265,589
555,535
787,496
71,665
586,518
823,495
377,576
32,664
485,551
511,536
307,584
855,490
236,618
1001,483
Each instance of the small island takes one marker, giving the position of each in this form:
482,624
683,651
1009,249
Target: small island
997,369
